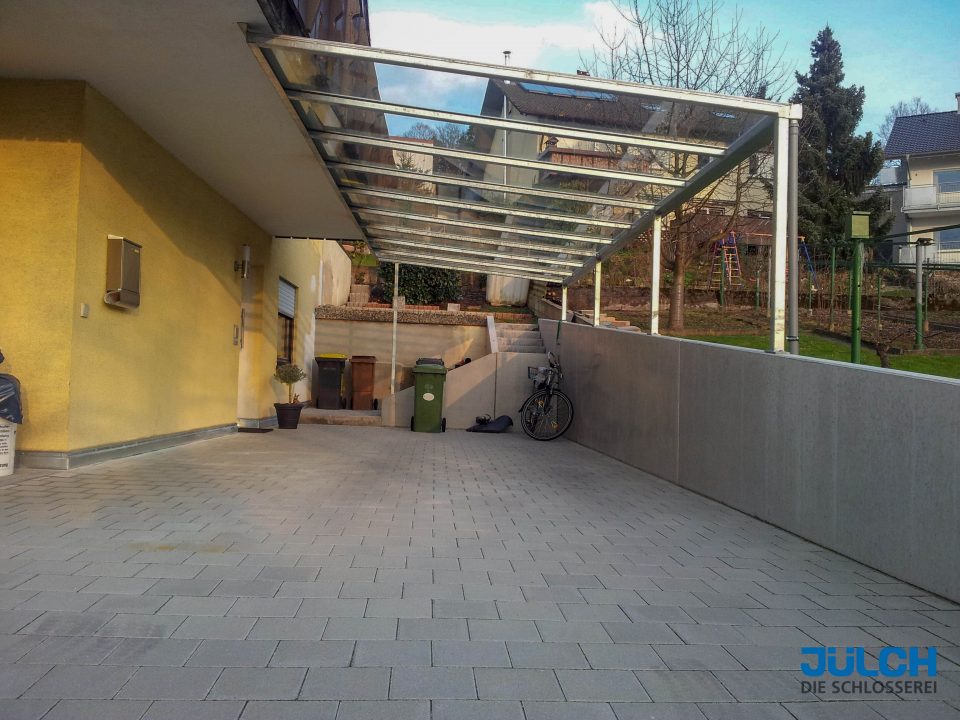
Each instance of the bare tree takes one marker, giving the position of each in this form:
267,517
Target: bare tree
695,45
915,106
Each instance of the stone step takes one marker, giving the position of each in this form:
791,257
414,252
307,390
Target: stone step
319,416
522,348
518,327
527,335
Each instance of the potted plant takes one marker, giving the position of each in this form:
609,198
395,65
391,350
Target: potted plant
288,413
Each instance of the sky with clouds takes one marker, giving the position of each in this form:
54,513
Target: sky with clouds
895,49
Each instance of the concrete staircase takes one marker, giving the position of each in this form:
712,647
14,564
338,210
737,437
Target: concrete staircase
519,337
359,295
608,321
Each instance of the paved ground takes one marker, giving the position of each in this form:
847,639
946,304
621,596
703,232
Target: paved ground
363,573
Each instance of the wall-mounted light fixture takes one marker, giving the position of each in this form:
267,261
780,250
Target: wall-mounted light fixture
243,266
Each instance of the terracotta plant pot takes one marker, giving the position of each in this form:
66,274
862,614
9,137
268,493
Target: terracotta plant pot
288,415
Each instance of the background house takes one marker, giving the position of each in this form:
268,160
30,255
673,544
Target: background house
928,149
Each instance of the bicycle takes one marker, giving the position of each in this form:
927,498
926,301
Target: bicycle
548,412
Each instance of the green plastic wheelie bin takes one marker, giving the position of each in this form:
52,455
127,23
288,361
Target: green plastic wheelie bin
428,383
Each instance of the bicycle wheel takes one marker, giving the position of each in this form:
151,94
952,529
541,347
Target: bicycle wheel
545,415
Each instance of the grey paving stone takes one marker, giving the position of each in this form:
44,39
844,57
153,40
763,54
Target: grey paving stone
831,711
622,656
142,626
288,629
384,710
397,608
601,686
215,628
697,657
79,682
126,604
346,684
151,652
568,711
573,632
15,679
194,710
503,630
98,710
65,623
71,651
390,653
546,655
472,653
745,711
762,685
710,634
683,686
657,711
919,710
216,606
14,647
753,657
503,684
477,710
233,653
432,683
247,588
657,614
362,629
583,612
183,587
258,684
264,607
166,683
432,629
25,709
528,610
332,607
290,710
643,632
311,653
478,609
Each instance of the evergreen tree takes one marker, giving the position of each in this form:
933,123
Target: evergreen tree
835,164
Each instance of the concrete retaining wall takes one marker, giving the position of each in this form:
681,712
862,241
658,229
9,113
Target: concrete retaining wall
860,460
451,342
494,385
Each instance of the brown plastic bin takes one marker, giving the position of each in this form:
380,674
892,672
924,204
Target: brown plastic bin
362,373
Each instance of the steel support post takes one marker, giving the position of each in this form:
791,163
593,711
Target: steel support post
655,275
596,294
793,251
833,281
393,348
779,245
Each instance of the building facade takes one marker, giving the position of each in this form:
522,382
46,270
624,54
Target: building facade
928,150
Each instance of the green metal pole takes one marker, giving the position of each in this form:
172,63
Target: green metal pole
879,290
756,298
809,293
926,301
918,301
855,281
723,272
833,280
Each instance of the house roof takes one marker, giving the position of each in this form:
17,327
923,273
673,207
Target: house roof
927,134
633,114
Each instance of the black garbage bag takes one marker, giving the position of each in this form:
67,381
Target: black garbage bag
10,408
493,426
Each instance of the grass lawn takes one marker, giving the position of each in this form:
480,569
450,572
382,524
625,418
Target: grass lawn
821,347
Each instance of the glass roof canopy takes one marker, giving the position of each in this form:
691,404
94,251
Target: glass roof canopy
503,170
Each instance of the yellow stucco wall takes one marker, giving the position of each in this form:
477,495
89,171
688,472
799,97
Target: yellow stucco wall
39,158
73,170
